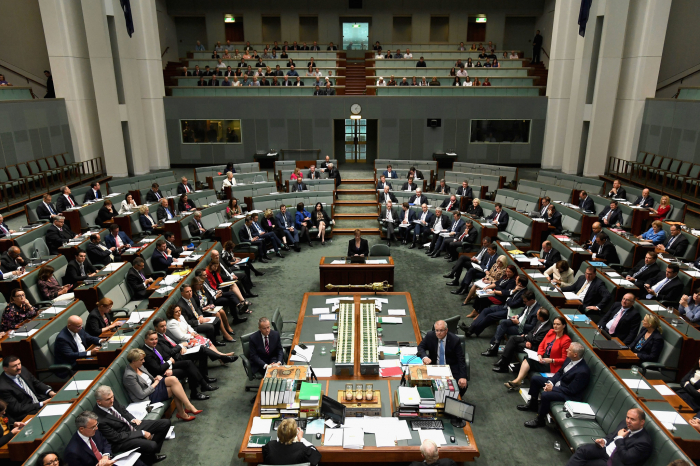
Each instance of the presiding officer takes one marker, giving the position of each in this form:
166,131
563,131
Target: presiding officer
358,246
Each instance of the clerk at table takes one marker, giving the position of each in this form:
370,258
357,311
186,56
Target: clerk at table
444,348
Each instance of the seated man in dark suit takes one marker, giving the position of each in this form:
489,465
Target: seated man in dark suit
389,218
389,173
676,243
455,230
313,173
12,260
617,191
46,210
99,253
124,432
72,342
409,185
606,250
440,223
493,315
591,244
387,195
568,384
645,200
442,188
476,271
57,234
666,286
247,235
554,220
194,316
4,229
465,190
161,258
431,457
98,319
299,186
164,213
466,239
78,269
167,345
498,217
136,281
585,202
184,186
442,347
622,320
450,204
383,182
175,251
197,229
549,256
425,217
117,239
405,224
65,200
93,193
516,325
154,195
530,340
645,271
611,216
22,392
591,292
629,443
419,198
265,348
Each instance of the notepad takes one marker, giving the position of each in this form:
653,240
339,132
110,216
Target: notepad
78,385
531,354
664,390
320,310
327,317
324,337
397,312
571,296
636,384
337,262
260,426
58,409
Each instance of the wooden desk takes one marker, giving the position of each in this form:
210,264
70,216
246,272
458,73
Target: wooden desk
73,220
639,220
355,274
609,357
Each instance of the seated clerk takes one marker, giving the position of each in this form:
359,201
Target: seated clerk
611,216
98,319
492,315
154,195
162,257
688,306
406,217
72,342
418,198
425,217
440,224
387,195
649,342
136,280
591,244
265,347
358,246
290,447
646,270
146,220
170,363
455,230
431,457
629,443
26,400
450,204
676,244
409,185
516,325
606,250
666,286
498,217
645,200
466,239
78,269
590,290
568,383
530,340
548,255
164,213
585,202
622,320
168,346
442,347
193,316
98,253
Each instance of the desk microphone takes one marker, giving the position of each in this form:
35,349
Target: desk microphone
594,335
72,379
121,344
639,381
313,374
42,425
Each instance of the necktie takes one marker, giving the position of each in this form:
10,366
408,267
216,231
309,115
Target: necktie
157,195
267,345
167,338
187,189
160,358
167,211
142,277
657,288
496,217
4,230
116,414
284,219
640,271
449,206
82,269
670,242
466,231
189,302
583,288
441,352
50,209
95,451
523,319
72,204
118,241
26,389
613,326
454,226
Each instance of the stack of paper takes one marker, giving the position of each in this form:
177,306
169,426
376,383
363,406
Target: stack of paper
435,435
570,296
333,438
261,426
353,438
136,316
409,396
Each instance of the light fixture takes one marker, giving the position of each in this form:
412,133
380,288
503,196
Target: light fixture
355,117
229,19
356,25
481,19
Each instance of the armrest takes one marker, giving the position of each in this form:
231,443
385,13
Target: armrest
44,303
120,313
673,386
57,368
121,310
289,321
244,243
657,366
158,274
532,252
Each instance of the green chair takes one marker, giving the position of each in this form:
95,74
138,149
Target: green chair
254,379
379,250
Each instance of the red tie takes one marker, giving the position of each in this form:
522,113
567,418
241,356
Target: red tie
449,207
95,451
466,231
71,202
187,189
267,346
169,340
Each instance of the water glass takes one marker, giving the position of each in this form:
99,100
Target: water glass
634,370
323,350
105,345
557,446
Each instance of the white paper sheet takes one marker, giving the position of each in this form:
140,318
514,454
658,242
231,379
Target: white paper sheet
612,274
78,385
376,261
433,434
327,317
385,438
337,262
128,460
392,363
439,371
397,312
324,337
320,310
332,300
570,296
194,349
664,390
315,427
634,383
26,334
138,410
260,426
136,316
392,320
671,417
531,354
655,307
402,431
324,371
333,438
171,433
409,350
58,409
389,349
537,275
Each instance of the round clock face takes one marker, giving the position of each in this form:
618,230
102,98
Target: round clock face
355,108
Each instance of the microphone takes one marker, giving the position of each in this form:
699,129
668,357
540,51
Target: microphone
639,371
43,431
313,374
594,335
72,379
121,344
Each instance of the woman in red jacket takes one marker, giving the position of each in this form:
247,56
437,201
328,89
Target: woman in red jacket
551,354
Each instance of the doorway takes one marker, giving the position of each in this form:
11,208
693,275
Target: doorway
476,31
355,36
355,141
234,31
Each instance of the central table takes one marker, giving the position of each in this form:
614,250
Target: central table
355,274
308,325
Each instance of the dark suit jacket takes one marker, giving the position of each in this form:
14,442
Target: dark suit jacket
380,185
454,353
194,228
587,204
153,364
608,252
77,452
90,195
502,219
8,264
73,275
110,242
63,204
151,196
555,221
446,202
411,215
551,258
630,451
256,350
136,285
181,188
680,244
672,291
296,453
627,327
468,193
394,214
536,338
55,238
19,404
444,221
316,175
574,382
95,323
442,190
65,349
394,175
115,431
621,194
162,215
645,277
363,249
159,262
459,228
382,197
44,213
471,236
615,217
187,312
648,202
182,207
439,462
418,200
295,187
596,295
407,187
651,348
173,249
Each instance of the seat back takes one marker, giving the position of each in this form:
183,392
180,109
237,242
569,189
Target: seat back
379,250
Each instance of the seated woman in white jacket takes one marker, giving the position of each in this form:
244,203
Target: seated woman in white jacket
179,330
228,181
128,204
560,274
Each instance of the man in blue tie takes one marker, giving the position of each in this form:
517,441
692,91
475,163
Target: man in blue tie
164,212
46,210
262,234
456,230
666,288
444,348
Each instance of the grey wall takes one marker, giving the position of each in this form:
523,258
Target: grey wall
307,123
670,128
189,31
681,55
33,129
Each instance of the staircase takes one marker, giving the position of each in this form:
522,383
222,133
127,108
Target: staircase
173,68
355,82
540,71
356,207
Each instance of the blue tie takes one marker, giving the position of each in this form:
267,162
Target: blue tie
169,214
159,356
441,352
51,209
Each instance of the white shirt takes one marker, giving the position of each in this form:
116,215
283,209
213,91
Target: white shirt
79,342
408,55
462,73
235,83
438,226
70,201
221,65
609,324
422,216
87,442
610,448
381,83
228,183
389,217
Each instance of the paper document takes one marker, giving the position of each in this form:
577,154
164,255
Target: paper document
532,354
209,320
376,261
392,363
576,249
612,274
622,282
53,310
331,317
333,438
26,334
477,267
397,312
112,267
171,433
391,320
135,317
78,385
119,339
537,275
385,438
314,427
388,349
439,371
58,409
65,297
337,262
433,434
324,371
128,460
224,225
306,353
320,310
138,410
171,279
164,289
664,390
260,426
194,349
571,296
636,383
408,350
655,307
671,417
692,273
481,284
324,337
401,430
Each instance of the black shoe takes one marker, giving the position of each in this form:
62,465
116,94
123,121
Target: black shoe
230,358
492,351
158,458
263,260
388,243
449,275
219,343
279,254
412,246
208,388
209,379
447,257
241,307
500,362
436,255
499,368
461,290
259,274
311,245
452,259
529,406
420,246
428,251
200,397
452,283
464,327
535,423
296,247
240,320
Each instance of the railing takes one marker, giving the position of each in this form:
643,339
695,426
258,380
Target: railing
164,52
545,52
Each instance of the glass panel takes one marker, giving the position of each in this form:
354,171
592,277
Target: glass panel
363,122
363,137
363,129
210,131
348,122
348,130
349,138
500,131
355,36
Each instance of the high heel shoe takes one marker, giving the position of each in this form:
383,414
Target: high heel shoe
198,411
186,419
473,314
513,386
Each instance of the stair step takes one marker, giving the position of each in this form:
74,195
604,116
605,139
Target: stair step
351,231
355,191
356,216
358,181
356,202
